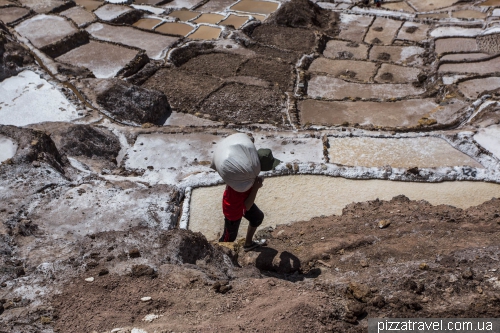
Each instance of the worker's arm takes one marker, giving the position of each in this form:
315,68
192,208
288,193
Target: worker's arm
253,193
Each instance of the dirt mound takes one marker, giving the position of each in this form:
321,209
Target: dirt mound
286,38
303,14
12,55
131,104
89,141
33,147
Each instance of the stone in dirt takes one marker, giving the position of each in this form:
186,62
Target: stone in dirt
359,291
143,270
131,104
303,14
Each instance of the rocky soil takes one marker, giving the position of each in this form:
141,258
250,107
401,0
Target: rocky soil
397,258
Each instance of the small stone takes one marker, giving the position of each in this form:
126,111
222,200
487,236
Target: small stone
134,253
468,274
423,266
272,283
103,271
453,278
479,289
3,285
359,291
17,299
324,263
225,289
363,263
45,320
383,224
146,299
90,279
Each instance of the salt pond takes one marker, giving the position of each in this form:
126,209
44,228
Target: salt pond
489,138
300,198
28,99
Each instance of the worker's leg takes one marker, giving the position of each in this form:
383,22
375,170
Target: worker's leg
230,230
255,217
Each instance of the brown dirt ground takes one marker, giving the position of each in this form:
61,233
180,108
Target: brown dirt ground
328,274
293,39
236,102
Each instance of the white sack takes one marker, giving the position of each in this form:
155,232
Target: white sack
237,162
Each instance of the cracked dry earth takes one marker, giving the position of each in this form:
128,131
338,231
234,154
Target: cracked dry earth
386,120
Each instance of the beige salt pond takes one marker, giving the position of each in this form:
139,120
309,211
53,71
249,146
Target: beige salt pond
425,152
184,15
349,69
469,14
300,198
175,28
79,15
345,50
12,14
209,18
490,3
235,20
398,6
89,4
258,7
383,30
147,23
205,32
43,30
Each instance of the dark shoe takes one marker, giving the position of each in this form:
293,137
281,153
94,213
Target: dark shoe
252,246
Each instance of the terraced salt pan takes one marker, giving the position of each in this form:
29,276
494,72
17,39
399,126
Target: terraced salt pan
42,6
401,55
254,6
396,74
28,99
429,5
12,14
8,148
455,31
155,45
345,50
469,14
350,69
399,6
235,20
424,152
437,16
182,4
447,45
184,15
300,198
89,5
354,27
173,156
472,88
150,9
206,32
175,28
79,15
384,30
481,67
464,56
209,18
147,23
385,114
103,59
414,32
216,6
489,138
333,88
110,12
288,148
43,30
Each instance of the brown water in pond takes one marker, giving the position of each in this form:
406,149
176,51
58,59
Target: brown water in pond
490,3
175,28
466,14
89,4
235,20
209,18
205,32
260,17
184,15
147,23
259,7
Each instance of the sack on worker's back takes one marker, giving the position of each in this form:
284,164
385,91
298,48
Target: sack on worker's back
237,162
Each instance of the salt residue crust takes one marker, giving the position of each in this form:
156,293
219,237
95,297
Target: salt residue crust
489,138
8,148
455,31
28,99
300,198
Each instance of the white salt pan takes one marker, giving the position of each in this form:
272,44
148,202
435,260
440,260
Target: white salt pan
28,99
8,148
489,138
